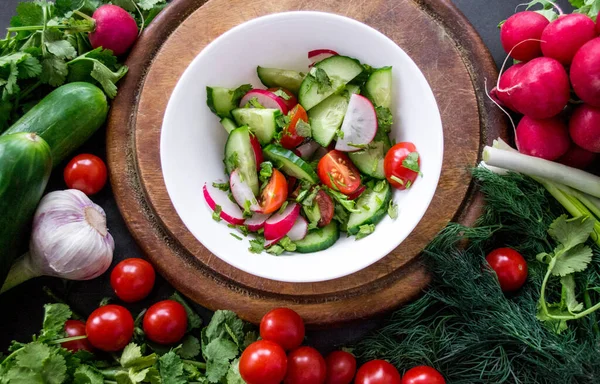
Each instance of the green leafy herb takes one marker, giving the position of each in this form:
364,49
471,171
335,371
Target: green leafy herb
239,92
587,7
385,120
339,133
322,80
55,316
222,186
98,64
190,348
247,211
397,179
257,245
349,205
364,231
341,216
254,103
266,171
216,215
282,94
379,186
171,369
412,162
303,129
393,210
360,146
282,122
283,207
235,236
232,162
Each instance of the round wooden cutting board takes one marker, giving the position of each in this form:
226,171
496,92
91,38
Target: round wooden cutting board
437,37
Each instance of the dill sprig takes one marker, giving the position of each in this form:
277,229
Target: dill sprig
466,327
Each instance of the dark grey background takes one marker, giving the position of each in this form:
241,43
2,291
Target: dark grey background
21,309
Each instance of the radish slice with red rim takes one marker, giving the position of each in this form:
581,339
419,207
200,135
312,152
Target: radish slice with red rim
242,193
308,149
320,55
256,222
299,230
278,225
359,126
230,212
266,98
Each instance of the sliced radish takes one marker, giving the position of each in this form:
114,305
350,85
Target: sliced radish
266,98
269,243
299,230
230,212
242,192
258,153
320,55
278,225
308,149
256,222
359,126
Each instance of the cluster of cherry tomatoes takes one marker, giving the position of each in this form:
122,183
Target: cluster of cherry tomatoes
282,330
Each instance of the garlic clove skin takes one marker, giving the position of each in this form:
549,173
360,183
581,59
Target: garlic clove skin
70,239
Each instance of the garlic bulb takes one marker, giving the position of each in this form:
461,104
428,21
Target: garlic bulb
69,240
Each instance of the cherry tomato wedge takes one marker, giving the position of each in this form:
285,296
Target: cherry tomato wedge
258,153
377,372
86,173
290,100
305,365
341,367
423,375
263,362
275,193
110,328
165,322
401,165
290,138
76,328
284,327
510,267
337,172
132,279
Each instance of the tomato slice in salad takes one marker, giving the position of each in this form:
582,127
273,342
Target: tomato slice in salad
290,138
275,193
337,172
401,165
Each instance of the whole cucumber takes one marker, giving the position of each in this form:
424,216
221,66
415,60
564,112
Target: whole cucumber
65,118
25,166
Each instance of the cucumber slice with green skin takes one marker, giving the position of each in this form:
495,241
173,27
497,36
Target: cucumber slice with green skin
284,78
378,87
290,163
377,203
319,239
370,160
262,121
327,117
228,124
240,155
222,101
339,69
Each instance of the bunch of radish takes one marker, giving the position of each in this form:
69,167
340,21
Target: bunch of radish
555,85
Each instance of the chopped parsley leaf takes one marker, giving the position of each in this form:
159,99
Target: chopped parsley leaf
303,129
412,162
236,236
281,93
266,170
217,213
393,210
257,245
222,186
364,231
323,81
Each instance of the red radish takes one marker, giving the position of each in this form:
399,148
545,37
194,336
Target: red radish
258,153
266,99
520,27
563,37
269,243
547,139
584,127
577,157
359,126
506,81
320,55
230,212
299,230
598,26
242,193
308,149
356,194
256,222
540,88
290,100
114,29
585,72
278,225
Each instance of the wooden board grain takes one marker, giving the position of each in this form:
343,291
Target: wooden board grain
437,37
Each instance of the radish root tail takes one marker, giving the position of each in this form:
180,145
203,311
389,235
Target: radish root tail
487,93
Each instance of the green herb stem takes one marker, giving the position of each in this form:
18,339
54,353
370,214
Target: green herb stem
84,16
67,339
588,304
196,364
12,355
111,373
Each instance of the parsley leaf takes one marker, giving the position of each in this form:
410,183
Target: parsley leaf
576,259
239,92
412,162
321,78
266,170
98,65
222,186
571,232
216,215
385,120
132,358
190,347
349,205
364,231
54,71
393,210
303,129
55,316
85,374
257,246
282,94
233,374
171,369
254,103
569,296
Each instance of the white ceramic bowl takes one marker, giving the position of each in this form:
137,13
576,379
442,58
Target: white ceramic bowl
192,140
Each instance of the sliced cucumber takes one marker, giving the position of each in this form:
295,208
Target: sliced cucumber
339,69
273,77
319,239
228,124
370,160
327,117
262,121
239,154
222,101
290,163
378,87
372,206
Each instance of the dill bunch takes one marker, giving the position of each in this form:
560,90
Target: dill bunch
466,327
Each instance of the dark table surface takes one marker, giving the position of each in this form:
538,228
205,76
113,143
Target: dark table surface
21,308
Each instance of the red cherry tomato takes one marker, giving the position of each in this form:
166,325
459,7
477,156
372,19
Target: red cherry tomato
165,322
341,367
305,366
423,375
337,172
284,327
263,362
377,372
258,153
76,328
290,139
110,328
86,173
132,279
510,267
291,101
275,193
396,162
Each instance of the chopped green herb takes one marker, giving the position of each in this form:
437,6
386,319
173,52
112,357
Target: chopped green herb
283,207
360,146
323,81
408,184
287,244
412,162
232,162
222,186
378,200
254,103
349,205
257,245
366,207
240,91
303,129
313,214
247,211
266,170
282,121
364,231
236,236
217,213
282,94
339,133
341,216
393,210
397,179
379,186
310,198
